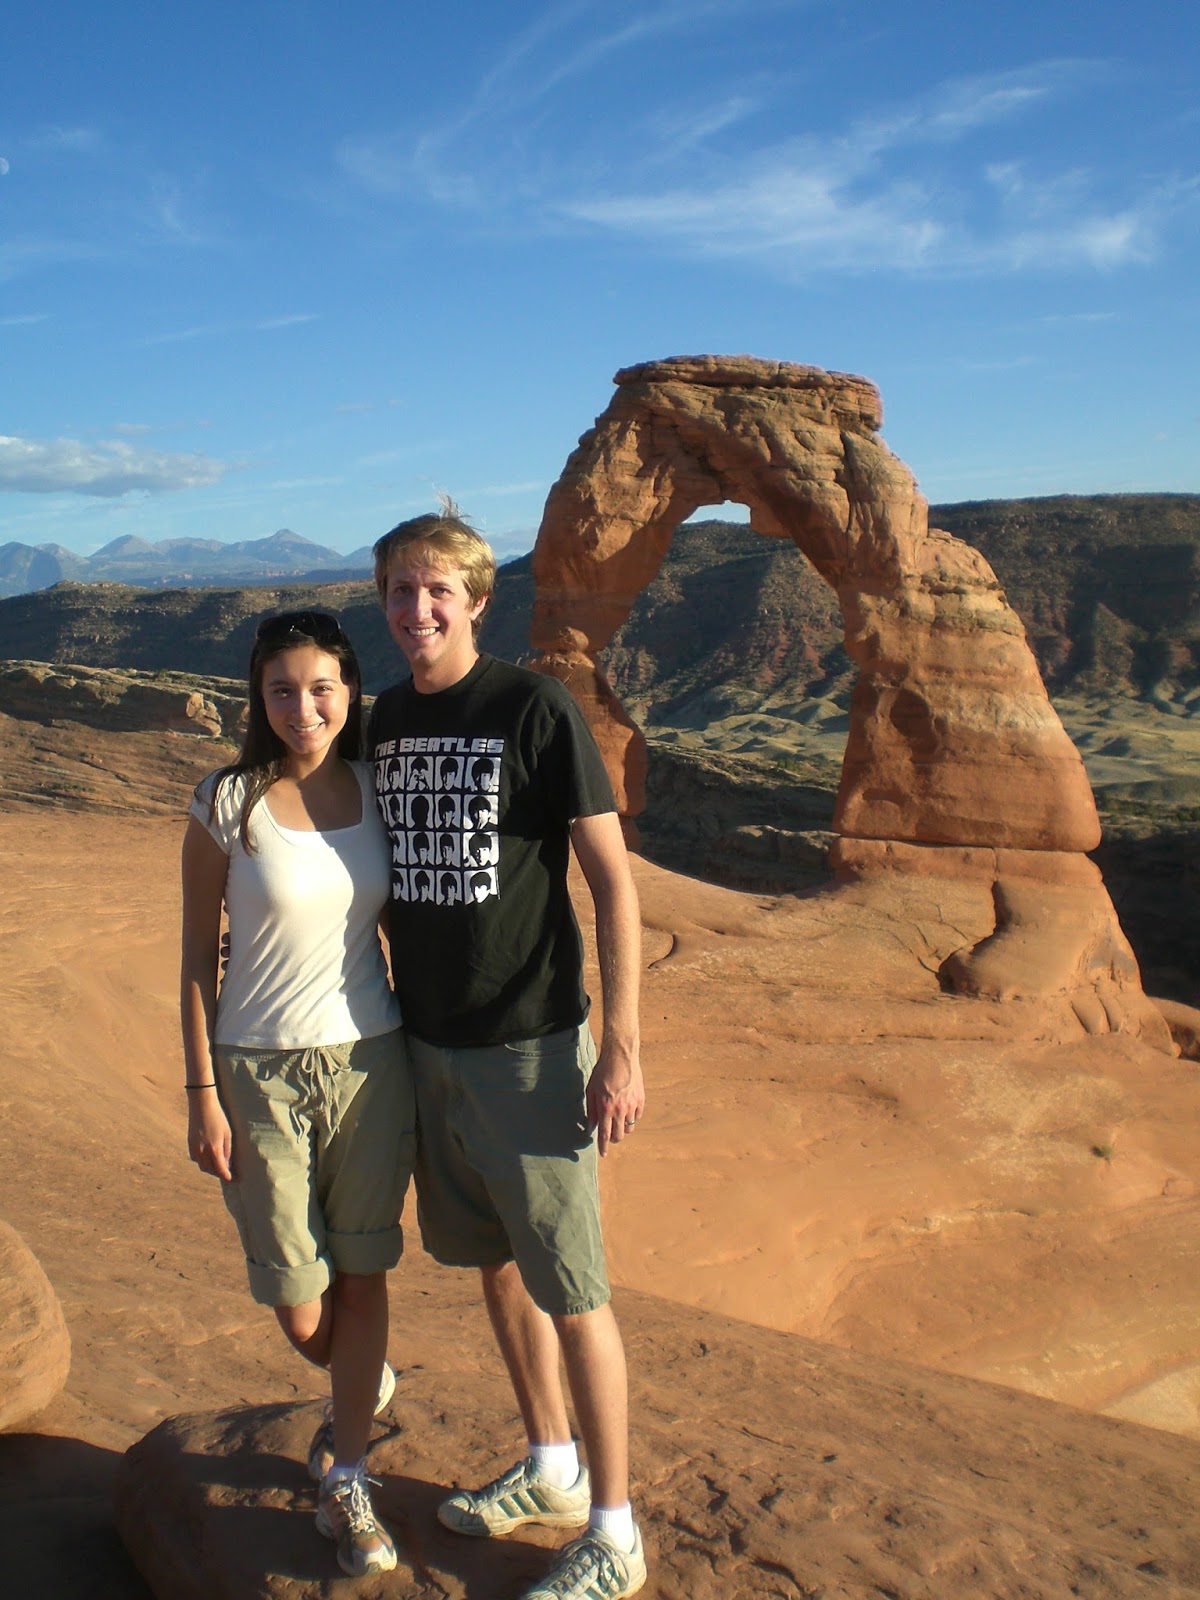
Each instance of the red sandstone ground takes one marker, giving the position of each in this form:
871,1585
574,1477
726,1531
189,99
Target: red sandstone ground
834,1151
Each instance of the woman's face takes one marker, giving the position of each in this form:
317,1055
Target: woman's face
306,700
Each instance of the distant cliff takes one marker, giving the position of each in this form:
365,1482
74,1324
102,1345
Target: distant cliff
1108,587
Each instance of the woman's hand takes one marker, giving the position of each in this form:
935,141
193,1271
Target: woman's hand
210,1141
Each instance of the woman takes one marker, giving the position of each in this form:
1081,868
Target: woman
299,1091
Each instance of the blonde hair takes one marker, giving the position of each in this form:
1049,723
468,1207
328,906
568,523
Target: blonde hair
441,540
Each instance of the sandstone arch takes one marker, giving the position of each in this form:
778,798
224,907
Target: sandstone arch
949,700
955,761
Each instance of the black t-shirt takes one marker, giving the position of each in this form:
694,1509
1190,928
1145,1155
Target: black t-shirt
478,785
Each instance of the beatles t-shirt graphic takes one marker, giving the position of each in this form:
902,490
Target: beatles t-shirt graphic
440,799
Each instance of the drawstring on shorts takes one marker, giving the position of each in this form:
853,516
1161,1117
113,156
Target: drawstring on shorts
315,1072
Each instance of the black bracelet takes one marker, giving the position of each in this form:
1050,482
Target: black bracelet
193,1088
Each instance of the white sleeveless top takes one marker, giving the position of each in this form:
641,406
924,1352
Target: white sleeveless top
305,966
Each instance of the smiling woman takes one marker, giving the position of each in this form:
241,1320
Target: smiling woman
299,1094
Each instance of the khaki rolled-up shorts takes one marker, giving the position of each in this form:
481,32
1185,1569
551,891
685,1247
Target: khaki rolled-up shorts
323,1147
506,1164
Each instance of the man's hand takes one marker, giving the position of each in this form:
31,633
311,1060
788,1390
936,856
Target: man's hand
616,1096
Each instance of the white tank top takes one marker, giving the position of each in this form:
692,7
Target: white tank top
306,967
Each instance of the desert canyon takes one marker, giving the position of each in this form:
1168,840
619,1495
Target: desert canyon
906,1247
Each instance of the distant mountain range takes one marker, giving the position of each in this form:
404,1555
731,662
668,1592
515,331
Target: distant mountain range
1108,587
174,563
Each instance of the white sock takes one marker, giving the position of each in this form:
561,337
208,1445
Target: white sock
616,1522
339,1471
558,1464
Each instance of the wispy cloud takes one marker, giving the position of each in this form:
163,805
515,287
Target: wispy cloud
287,484
532,486
295,320
926,185
861,201
459,161
28,252
80,140
220,330
107,469
1065,318
184,335
409,452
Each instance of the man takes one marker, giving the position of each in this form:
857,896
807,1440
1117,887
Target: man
514,1104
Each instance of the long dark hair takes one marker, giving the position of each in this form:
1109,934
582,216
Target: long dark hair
263,756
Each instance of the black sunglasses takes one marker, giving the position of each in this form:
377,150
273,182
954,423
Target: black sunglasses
316,627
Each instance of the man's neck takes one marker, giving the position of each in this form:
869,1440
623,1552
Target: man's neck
444,675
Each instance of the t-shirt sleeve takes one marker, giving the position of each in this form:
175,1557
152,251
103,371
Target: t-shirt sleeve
225,818
571,771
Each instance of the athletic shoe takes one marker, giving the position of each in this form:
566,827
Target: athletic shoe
592,1567
345,1513
320,1451
516,1497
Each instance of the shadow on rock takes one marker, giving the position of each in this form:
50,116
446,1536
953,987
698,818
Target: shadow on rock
56,1521
221,1506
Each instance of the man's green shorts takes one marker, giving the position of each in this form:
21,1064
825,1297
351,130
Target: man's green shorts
506,1164
323,1144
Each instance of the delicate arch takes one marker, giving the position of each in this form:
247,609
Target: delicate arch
952,738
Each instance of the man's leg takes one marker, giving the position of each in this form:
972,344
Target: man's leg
548,1485
595,1359
609,1559
529,1344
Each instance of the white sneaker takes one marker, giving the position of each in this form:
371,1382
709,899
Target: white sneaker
516,1497
593,1567
345,1513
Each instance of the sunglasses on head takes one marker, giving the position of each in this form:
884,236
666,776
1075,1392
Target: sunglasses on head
319,627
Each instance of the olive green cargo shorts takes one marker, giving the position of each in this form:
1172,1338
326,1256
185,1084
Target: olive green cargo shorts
323,1145
506,1164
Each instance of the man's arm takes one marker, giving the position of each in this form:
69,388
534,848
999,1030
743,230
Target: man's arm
616,1094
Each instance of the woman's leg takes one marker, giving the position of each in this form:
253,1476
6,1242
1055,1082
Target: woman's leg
309,1328
357,1347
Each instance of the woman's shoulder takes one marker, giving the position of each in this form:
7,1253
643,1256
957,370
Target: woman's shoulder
222,787
217,802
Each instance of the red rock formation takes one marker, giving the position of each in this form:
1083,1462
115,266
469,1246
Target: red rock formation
35,1348
953,742
949,704
765,1465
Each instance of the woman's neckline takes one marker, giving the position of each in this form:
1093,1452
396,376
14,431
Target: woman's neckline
309,833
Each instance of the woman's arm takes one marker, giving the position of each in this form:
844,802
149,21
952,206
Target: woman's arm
205,865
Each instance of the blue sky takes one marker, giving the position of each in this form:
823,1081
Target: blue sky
301,265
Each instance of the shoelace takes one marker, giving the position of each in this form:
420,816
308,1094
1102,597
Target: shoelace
507,1480
352,1502
589,1554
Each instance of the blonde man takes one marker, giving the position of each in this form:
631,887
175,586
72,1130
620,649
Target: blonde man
514,1102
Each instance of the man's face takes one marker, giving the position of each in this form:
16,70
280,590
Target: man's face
429,614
